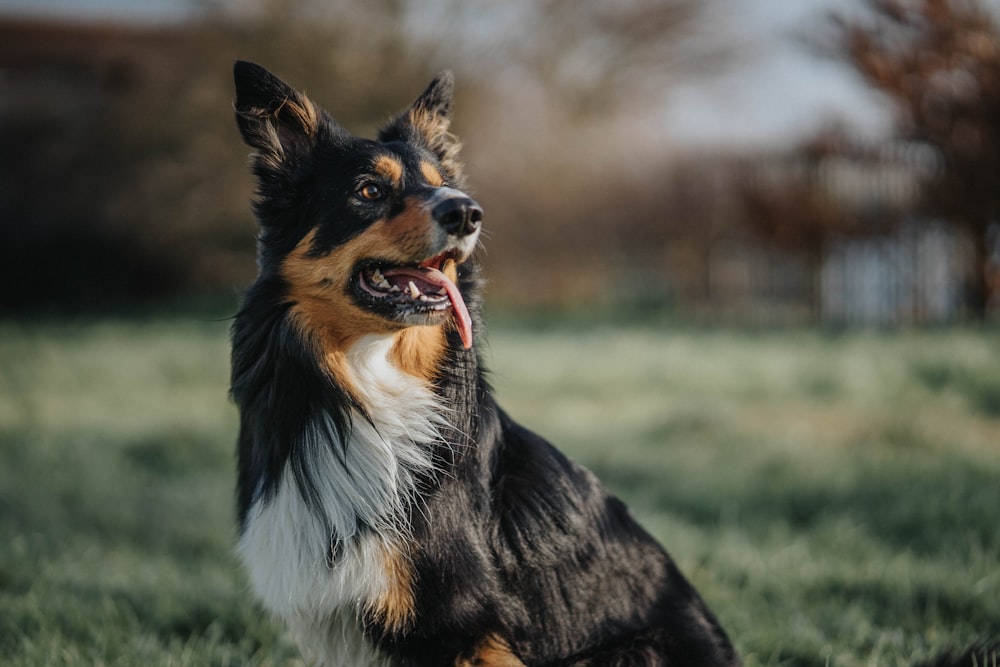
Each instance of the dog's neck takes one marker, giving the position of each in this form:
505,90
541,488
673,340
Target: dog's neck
370,480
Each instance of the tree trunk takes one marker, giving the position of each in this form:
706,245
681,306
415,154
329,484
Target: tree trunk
978,296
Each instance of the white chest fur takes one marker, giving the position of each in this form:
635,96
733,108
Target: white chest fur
365,482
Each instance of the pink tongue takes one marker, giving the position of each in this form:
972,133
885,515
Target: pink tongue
438,279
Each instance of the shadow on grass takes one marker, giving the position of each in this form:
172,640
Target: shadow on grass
928,510
979,386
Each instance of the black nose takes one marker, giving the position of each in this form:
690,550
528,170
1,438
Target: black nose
459,216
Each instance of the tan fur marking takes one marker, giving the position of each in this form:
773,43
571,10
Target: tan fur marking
418,351
450,269
303,111
432,125
431,174
389,168
492,651
395,608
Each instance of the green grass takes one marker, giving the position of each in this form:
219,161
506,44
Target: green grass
836,499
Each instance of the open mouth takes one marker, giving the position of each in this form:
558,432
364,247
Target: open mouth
419,294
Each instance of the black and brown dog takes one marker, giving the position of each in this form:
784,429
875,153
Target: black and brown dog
390,512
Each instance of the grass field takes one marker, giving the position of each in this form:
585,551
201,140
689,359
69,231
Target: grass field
836,499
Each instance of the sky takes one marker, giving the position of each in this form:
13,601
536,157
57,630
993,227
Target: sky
776,93
779,89
143,10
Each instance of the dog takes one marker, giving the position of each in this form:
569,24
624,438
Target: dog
390,512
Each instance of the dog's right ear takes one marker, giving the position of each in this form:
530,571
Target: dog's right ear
273,118
426,121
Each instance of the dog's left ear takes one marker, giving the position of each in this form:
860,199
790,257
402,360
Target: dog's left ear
426,121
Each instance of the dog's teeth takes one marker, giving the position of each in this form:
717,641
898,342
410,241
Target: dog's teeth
443,291
413,290
394,289
383,284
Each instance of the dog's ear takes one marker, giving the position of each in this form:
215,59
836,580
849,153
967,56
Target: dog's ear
273,118
426,121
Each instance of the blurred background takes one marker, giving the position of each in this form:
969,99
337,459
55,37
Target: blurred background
743,261
791,161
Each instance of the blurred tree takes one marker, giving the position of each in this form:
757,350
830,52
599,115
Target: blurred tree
587,54
939,61
599,56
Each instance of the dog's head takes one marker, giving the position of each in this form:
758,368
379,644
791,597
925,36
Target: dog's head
365,235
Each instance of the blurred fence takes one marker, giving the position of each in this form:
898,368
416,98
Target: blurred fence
915,276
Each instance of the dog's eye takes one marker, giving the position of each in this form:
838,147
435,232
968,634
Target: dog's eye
370,191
